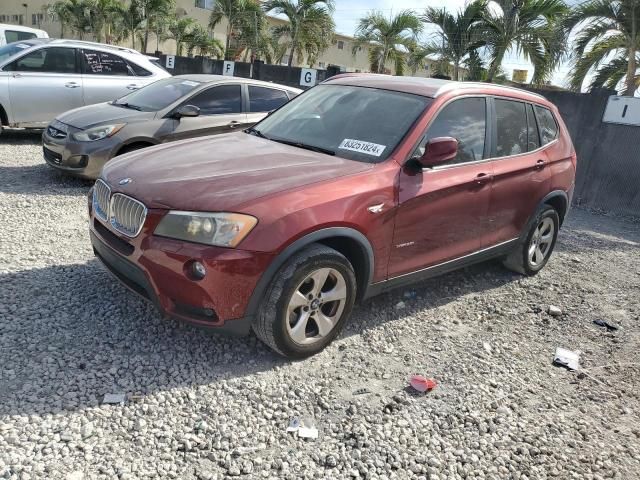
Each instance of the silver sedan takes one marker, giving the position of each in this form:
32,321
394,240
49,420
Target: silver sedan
81,141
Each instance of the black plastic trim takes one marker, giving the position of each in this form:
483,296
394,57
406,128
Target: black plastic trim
317,236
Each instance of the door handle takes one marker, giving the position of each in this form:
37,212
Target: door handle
71,85
483,178
132,86
540,164
16,75
234,124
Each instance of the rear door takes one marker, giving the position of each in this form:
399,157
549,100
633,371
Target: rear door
521,177
442,211
43,84
106,76
220,112
263,100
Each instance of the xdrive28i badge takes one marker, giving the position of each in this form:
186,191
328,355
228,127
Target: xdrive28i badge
125,181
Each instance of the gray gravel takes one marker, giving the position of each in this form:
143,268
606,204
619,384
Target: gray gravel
210,407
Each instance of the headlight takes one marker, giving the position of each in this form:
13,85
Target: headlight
219,229
98,133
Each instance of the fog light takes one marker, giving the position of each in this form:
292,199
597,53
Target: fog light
197,270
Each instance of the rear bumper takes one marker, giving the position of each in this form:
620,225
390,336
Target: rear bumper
156,273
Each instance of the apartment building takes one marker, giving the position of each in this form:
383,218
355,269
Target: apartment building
341,53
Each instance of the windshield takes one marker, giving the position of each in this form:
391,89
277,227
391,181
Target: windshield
158,95
11,49
358,123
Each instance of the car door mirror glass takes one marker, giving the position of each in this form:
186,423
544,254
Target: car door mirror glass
438,151
186,111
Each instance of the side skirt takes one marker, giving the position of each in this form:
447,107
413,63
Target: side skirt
476,257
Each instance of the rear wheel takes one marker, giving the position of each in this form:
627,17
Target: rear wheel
307,303
531,255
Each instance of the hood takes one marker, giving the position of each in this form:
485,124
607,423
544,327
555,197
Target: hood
102,114
220,173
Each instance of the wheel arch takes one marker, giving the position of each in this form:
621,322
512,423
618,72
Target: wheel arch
142,142
559,200
348,241
4,118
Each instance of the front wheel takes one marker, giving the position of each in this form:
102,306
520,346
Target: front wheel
307,303
530,256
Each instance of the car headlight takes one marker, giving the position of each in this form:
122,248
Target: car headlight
98,133
219,229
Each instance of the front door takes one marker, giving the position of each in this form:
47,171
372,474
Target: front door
220,112
43,84
442,211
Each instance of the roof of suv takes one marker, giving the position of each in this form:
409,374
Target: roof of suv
207,78
428,87
82,44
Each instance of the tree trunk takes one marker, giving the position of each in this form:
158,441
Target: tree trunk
146,37
631,66
493,68
293,48
456,70
382,58
228,42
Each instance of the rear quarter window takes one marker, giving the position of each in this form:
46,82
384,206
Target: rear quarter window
546,124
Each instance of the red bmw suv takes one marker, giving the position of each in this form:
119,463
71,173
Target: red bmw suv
359,185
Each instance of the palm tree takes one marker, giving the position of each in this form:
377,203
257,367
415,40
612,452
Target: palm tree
151,12
179,30
310,28
609,35
417,57
244,17
77,15
527,26
460,34
199,39
270,47
387,38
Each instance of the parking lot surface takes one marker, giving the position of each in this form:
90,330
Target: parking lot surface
201,406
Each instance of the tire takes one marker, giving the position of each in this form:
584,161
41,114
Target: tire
132,148
280,312
520,260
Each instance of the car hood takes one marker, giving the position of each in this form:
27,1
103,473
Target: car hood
102,114
220,173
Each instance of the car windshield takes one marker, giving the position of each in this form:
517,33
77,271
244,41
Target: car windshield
158,95
11,49
357,123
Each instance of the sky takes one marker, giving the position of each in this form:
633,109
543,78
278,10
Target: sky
348,12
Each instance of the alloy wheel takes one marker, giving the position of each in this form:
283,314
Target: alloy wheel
541,241
316,305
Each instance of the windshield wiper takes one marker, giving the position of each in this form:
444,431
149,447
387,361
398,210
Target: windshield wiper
305,146
128,105
256,132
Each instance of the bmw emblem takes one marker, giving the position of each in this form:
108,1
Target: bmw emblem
125,181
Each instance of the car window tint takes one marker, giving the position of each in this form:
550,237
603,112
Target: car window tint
262,99
139,71
102,63
466,121
547,125
218,100
15,36
47,60
533,138
511,123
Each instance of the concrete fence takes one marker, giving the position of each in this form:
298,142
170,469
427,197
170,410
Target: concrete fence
608,177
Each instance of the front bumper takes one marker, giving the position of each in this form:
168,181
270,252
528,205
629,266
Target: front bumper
155,268
81,159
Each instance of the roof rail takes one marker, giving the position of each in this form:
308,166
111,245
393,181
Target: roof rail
453,85
96,44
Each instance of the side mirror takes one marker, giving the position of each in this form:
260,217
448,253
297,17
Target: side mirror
438,151
186,111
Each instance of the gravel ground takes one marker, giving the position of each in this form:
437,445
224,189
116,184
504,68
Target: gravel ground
205,406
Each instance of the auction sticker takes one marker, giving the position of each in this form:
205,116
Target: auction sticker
368,148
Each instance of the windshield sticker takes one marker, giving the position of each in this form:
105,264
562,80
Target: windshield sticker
367,148
189,83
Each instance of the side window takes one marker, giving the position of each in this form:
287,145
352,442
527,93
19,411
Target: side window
47,60
139,71
511,132
102,63
217,100
547,124
466,121
263,99
16,36
533,141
